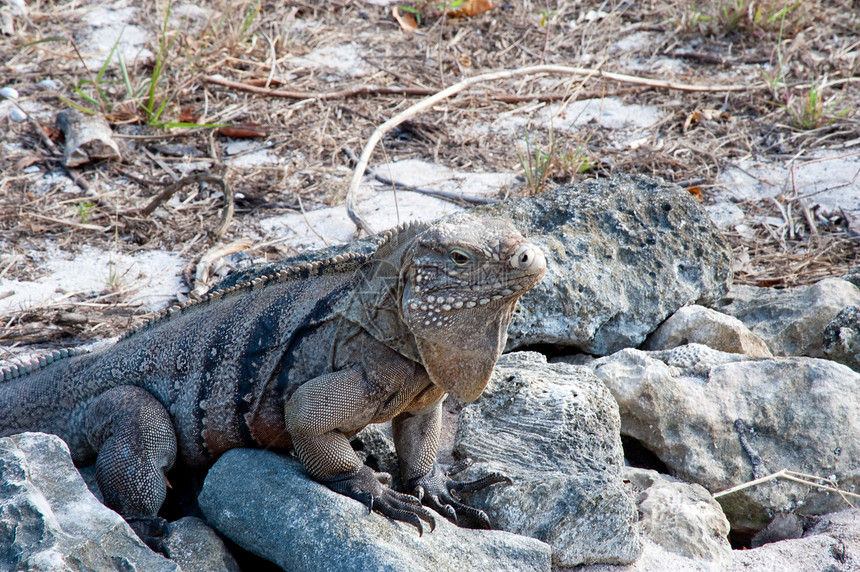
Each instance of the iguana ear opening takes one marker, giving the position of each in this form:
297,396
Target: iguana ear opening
460,372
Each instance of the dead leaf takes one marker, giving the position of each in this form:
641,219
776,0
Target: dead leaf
463,60
405,19
702,115
471,8
242,130
696,192
26,161
189,115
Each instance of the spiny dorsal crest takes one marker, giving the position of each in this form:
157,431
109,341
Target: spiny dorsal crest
340,263
38,361
398,236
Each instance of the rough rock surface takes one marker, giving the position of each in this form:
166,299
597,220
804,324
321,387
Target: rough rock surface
842,338
554,430
197,548
656,558
282,515
699,325
623,254
790,321
49,520
831,545
683,518
687,404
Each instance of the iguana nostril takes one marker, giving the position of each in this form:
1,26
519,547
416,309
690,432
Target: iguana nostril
528,257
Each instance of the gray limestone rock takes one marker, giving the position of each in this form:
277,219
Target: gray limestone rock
683,518
720,420
699,325
554,430
623,254
791,321
49,520
842,338
282,515
197,548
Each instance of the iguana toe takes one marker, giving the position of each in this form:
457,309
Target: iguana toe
372,489
437,491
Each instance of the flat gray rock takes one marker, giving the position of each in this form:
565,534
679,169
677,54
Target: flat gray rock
49,520
280,514
553,429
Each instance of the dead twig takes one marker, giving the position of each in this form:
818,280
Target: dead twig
428,102
341,94
71,223
208,260
164,195
436,192
801,478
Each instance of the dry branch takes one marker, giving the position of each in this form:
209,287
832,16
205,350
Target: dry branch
341,94
164,195
428,102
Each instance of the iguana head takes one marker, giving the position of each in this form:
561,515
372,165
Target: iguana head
460,281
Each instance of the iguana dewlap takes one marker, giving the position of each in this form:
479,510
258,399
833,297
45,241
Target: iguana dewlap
305,359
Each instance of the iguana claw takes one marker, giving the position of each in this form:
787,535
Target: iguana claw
439,492
371,488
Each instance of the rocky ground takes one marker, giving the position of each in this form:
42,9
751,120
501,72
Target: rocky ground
753,374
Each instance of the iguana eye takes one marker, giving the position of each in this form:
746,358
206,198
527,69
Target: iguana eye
459,257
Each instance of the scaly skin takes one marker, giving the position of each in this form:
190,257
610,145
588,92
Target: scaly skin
303,359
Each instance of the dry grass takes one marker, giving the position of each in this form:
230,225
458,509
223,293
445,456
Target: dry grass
810,104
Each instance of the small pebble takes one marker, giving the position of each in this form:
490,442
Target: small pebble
50,83
16,114
9,93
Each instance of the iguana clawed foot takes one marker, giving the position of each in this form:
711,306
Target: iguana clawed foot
152,531
439,492
372,489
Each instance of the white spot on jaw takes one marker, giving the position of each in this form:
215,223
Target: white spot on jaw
458,304
484,301
431,299
470,304
446,307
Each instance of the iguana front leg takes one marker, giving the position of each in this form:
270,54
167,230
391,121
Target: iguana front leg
317,416
416,438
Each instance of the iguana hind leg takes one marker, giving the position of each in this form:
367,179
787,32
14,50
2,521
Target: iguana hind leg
136,445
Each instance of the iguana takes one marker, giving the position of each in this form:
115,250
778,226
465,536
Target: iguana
302,359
